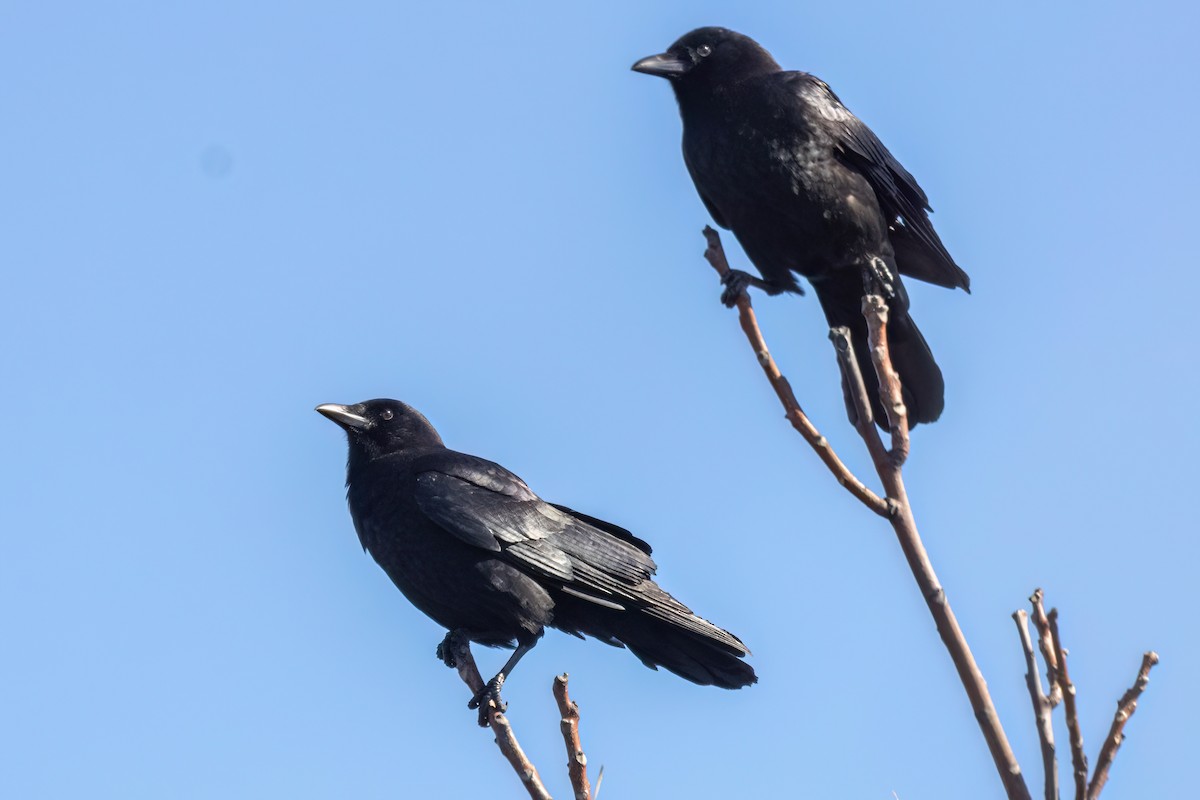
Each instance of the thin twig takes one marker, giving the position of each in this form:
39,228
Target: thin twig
856,387
506,740
895,508
715,254
1046,645
1078,757
576,760
1125,708
890,392
864,421
1041,707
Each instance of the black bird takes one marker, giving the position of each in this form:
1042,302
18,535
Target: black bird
807,188
470,544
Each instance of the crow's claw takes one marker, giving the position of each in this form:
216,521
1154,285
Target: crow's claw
489,695
735,282
877,279
449,647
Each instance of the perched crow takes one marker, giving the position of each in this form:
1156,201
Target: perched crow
807,187
469,544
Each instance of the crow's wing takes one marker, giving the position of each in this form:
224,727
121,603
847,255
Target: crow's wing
607,527
919,251
488,507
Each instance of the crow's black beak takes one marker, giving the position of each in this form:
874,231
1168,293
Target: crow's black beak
345,416
664,65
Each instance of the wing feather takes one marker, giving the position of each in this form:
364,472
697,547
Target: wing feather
900,196
488,507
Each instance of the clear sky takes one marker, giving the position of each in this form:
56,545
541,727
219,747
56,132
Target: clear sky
217,215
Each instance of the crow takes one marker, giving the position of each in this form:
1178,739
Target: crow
471,545
807,188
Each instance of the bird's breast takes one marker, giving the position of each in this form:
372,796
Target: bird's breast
791,202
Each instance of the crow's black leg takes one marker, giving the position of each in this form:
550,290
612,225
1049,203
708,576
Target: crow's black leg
736,282
877,279
492,690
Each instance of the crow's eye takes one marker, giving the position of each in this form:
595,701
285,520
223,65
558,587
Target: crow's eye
386,414
703,50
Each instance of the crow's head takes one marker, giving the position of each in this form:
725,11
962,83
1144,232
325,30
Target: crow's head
379,427
709,57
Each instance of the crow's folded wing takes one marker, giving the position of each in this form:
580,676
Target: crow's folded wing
488,507
900,196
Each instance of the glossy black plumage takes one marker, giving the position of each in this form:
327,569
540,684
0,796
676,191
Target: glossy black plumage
808,189
470,544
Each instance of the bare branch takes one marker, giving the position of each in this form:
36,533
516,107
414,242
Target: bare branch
1041,707
715,254
876,311
1125,708
864,421
1046,645
576,760
1078,757
888,467
895,508
506,740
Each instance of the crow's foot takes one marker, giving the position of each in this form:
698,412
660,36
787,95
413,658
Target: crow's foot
877,279
490,692
449,647
736,282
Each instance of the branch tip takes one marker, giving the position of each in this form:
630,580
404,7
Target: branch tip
1116,732
576,759
1041,707
1079,761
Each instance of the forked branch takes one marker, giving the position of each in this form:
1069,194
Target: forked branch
715,254
1055,656
895,507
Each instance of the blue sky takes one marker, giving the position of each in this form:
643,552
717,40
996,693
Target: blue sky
217,216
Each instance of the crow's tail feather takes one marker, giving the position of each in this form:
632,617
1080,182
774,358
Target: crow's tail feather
924,388
662,632
688,655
